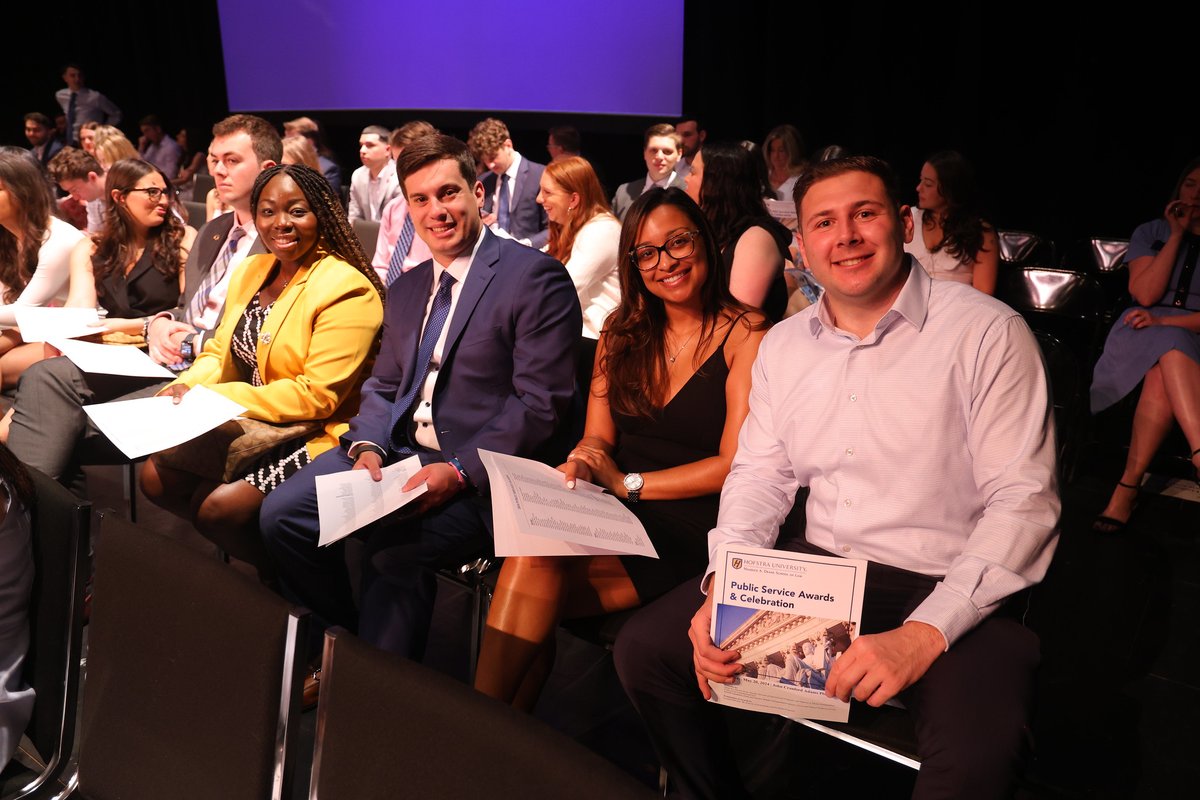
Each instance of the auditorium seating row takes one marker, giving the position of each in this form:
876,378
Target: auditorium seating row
194,676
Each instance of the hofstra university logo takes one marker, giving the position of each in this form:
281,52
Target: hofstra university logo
737,563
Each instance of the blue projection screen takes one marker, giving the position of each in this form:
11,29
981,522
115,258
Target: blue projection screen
608,57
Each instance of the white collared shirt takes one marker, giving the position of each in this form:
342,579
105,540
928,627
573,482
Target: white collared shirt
927,445
662,184
511,172
207,320
424,431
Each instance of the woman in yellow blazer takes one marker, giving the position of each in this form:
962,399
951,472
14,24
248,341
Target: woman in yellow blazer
299,333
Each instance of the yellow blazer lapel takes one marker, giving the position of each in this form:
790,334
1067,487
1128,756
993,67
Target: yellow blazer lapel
278,315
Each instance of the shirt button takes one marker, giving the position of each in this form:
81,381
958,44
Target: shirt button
853,397
847,502
845,548
849,451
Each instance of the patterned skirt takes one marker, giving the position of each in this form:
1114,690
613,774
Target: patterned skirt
277,465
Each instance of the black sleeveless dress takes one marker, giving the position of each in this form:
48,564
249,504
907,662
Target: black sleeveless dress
686,429
775,303
141,293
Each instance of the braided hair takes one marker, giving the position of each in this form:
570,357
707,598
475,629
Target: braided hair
337,236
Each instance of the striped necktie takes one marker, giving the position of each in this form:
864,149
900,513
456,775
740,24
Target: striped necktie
213,277
403,245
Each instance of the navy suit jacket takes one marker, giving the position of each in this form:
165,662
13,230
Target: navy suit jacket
507,377
528,217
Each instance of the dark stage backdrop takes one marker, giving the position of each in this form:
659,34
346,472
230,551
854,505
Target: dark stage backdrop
1073,125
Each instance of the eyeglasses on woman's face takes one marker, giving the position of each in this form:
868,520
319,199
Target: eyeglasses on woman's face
681,245
153,193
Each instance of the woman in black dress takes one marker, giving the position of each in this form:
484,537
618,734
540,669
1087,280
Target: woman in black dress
134,268
667,399
727,181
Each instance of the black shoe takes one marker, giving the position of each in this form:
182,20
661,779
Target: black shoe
1112,525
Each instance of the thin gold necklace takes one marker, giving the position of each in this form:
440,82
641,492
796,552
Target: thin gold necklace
671,358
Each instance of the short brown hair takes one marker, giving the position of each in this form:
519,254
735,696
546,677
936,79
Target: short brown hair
301,125
824,170
409,132
661,129
73,164
264,139
486,138
427,149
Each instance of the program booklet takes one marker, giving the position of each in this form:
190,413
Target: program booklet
790,615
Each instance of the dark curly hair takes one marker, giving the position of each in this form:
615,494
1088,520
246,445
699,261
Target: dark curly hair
635,359
337,235
732,189
963,226
117,244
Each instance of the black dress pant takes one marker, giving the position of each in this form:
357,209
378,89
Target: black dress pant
971,709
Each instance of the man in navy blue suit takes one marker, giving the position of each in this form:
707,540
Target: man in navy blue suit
478,352
510,184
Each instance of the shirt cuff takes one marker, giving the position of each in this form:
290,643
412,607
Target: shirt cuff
356,448
949,612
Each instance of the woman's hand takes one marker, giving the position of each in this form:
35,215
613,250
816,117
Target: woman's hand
176,391
1180,215
574,469
1140,318
599,463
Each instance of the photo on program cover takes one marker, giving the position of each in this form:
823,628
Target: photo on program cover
789,616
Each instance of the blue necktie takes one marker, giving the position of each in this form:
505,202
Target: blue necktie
433,330
502,213
403,245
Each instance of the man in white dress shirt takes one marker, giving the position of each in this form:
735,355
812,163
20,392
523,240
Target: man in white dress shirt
917,413
660,151
374,184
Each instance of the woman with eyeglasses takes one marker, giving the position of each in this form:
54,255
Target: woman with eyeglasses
669,394
134,269
35,251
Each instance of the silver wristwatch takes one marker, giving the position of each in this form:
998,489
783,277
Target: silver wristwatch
633,485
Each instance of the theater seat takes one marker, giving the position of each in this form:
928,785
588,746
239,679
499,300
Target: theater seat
388,727
60,523
193,684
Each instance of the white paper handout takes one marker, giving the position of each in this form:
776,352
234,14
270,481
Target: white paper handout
782,210
346,501
149,424
535,514
111,359
789,616
41,323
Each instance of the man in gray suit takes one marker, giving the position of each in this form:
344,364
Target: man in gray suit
660,148
49,429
